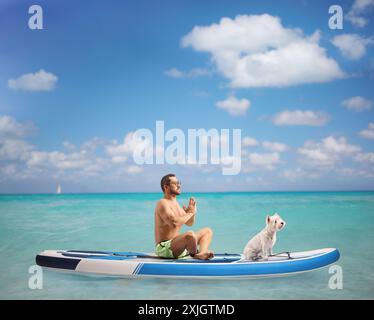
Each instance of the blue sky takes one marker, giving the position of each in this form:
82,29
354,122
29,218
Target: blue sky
98,70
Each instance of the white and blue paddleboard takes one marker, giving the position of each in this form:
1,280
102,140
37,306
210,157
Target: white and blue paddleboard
144,265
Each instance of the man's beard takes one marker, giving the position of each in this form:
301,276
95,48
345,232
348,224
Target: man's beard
175,192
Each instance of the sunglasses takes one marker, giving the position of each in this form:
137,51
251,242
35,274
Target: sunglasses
176,183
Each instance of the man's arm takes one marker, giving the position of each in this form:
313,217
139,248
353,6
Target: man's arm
191,208
191,221
171,219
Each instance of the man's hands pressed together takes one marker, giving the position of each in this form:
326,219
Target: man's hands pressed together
191,206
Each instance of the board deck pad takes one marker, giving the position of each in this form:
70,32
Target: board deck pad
218,258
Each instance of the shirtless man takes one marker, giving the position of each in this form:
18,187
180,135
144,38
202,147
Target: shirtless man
169,219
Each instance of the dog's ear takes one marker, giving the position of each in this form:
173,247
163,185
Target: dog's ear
267,219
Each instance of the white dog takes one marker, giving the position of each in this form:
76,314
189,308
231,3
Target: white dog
261,245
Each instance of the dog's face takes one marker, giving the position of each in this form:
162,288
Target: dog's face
275,222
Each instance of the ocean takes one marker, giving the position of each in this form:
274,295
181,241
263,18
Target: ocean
30,224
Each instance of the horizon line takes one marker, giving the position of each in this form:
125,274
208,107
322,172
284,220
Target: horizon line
187,192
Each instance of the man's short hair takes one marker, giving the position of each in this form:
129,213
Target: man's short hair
165,180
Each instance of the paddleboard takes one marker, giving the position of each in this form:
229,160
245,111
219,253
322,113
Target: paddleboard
148,265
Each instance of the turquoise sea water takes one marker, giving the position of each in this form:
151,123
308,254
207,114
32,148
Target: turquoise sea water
124,222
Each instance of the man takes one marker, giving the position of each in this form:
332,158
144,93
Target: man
169,219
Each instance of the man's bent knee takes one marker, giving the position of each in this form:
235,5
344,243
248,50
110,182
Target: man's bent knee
207,231
190,235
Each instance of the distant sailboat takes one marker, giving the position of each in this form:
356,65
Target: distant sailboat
58,191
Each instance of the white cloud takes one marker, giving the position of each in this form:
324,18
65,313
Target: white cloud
339,145
348,171
96,165
359,8
314,155
174,73
134,169
365,157
93,144
234,106
355,172
297,174
275,146
16,172
69,146
357,20
194,73
362,5
266,161
249,142
14,149
10,128
20,160
352,46
58,160
32,162
327,152
121,152
300,118
75,160
258,51
357,103
83,160
38,81
293,175
36,159
369,132
10,169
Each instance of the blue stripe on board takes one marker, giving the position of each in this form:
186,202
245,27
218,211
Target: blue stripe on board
240,269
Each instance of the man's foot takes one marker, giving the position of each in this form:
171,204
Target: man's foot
204,255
